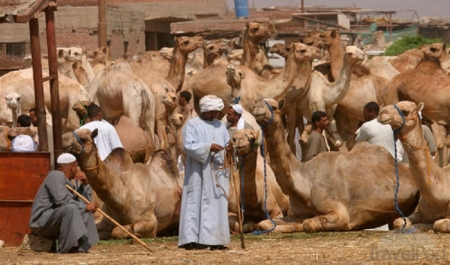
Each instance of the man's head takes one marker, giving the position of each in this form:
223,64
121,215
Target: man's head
234,113
33,116
185,97
94,112
319,119
67,163
24,121
210,105
371,111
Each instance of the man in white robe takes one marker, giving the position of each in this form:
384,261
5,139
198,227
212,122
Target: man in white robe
204,206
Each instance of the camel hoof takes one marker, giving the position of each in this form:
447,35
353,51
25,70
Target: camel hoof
311,225
399,223
442,226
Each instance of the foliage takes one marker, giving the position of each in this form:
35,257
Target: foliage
408,43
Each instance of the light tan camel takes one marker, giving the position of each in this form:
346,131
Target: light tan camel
119,91
21,82
213,50
432,180
324,95
98,58
177,121
253,87
253,55
183,46
261,192
170,101
13,103
334,191
145,199
65,63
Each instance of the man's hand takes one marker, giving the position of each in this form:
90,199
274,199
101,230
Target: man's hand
81,177
91,207
230,146
216,148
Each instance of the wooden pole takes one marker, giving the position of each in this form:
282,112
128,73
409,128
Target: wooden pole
110,219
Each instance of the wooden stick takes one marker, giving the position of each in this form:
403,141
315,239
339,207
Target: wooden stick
111,219
234,175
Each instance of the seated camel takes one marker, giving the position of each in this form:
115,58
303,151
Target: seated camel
144,199
334,191
261,196
433,182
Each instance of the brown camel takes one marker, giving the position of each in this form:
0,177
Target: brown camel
134,139
145,199
255,199
213,50
432,180
334,191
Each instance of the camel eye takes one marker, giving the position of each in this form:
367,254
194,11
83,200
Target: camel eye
405,113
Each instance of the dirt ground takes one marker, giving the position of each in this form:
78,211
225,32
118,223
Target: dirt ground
363,247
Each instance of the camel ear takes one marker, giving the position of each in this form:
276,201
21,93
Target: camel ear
420,106
94,133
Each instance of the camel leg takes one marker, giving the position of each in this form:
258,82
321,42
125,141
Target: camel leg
141,229
288,224
442,226
336,219
414,218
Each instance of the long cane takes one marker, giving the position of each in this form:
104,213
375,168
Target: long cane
238,200
110,219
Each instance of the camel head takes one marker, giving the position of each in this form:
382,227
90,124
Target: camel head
177,120
328,37
75,54
185,44
13,101
79,142
215,49
245,140
234,79
169,100
402,117
353,55
280,49
80,109
264,111
437,52
99,55
80,73
256,31
62,55
304,53
166,53
312,38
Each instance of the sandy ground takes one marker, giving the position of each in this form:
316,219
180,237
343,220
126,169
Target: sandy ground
362,247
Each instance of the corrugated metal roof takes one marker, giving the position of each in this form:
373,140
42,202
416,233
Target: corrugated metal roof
8,7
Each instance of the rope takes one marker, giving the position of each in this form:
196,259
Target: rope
228,162
259,232
397,186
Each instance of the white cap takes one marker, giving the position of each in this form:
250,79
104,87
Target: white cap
23,143
237,108
65,158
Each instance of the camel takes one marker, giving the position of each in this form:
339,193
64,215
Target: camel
98,58
183,46
324,95
134,139
409,59
432,180
427,83
177,121
21,82
144,199
355,190
170,101
65,63
378,42
213,50
253,56
253,87
13,103
261,192
119,91
280,49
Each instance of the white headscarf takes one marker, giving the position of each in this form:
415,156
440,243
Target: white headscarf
210,103
23,143
237,108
